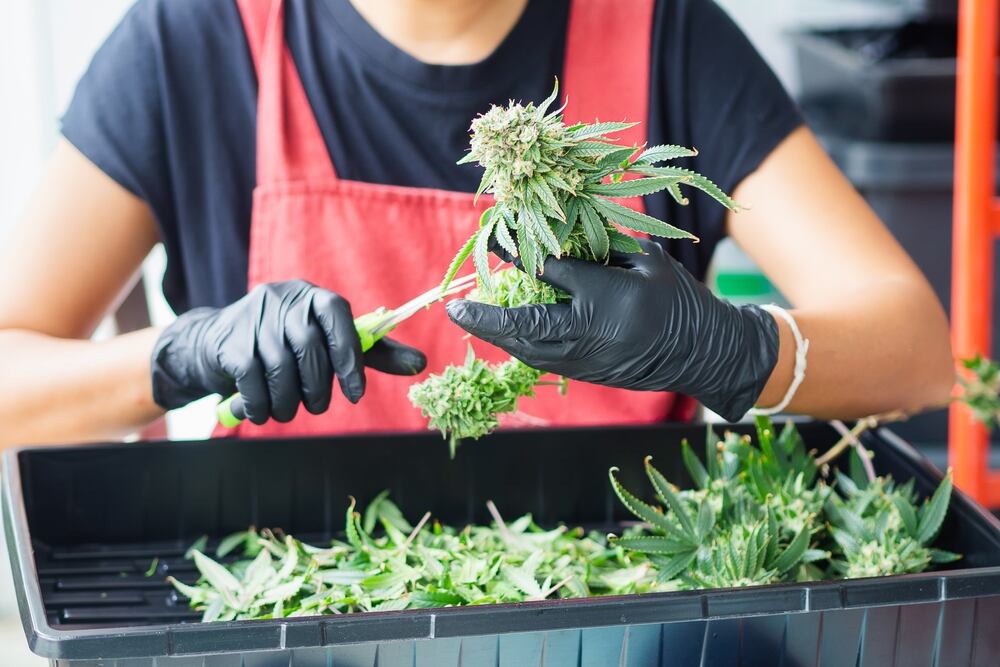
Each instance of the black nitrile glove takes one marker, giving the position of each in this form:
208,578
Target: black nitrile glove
279,346
643,322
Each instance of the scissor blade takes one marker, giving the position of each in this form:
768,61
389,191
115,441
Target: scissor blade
415,305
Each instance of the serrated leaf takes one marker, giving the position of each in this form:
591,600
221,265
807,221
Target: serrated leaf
793,553
640,222
547,102
547,197
773,533
667,494
504,239
484,184
193,593
459,260
593,149
616,159
282,592
221,579
481,258
674,566
664,152
847,484
572,214
634,188
534,222
230,542
351,527
750,555
694,466
623,243
593,228
940,556
695,180
213,611
529,250
372,511
706,520
598,130
199,545
675,191
907,514
640,509
653,545
856,469
524,581
933,512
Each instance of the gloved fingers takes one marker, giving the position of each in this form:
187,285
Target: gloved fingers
535,322
389,356
282,375
252,385
334,315
305,337
571,274
652,255
543,355
499,251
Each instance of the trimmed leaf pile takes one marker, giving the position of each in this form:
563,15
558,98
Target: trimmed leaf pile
759,513
555,188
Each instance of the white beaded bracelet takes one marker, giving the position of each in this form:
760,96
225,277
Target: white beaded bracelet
801,349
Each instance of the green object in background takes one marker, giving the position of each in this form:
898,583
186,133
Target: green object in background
736,285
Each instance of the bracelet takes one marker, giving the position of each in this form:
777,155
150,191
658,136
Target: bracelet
801,349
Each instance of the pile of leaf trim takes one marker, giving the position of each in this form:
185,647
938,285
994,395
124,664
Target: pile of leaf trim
759,513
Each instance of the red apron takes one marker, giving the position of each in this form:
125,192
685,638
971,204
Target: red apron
380,245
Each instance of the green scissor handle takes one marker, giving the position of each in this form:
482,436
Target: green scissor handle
230,411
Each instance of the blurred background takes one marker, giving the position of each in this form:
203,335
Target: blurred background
875,79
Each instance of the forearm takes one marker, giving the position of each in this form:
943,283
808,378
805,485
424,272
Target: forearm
61,390
885,351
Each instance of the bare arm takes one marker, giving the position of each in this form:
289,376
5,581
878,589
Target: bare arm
878,336
64,266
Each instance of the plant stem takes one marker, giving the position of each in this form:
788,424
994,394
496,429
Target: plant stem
863,452
416,531
851,436
501,526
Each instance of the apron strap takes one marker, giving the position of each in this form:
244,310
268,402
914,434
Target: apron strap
606,71
290,146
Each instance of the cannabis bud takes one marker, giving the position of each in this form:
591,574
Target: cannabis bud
465,401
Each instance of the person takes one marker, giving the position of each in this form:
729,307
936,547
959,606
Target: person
297,159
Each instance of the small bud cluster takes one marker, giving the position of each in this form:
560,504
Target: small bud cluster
517,143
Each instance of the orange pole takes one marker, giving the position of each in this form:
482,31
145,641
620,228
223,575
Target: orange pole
974,230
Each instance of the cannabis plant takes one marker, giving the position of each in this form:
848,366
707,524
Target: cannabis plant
758,513
980,392
762,514
554,186
882,531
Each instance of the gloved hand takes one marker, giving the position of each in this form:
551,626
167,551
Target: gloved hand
280,345
642,322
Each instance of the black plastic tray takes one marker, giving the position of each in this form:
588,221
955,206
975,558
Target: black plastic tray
83,524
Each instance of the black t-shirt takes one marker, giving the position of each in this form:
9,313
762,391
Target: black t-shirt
168,109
